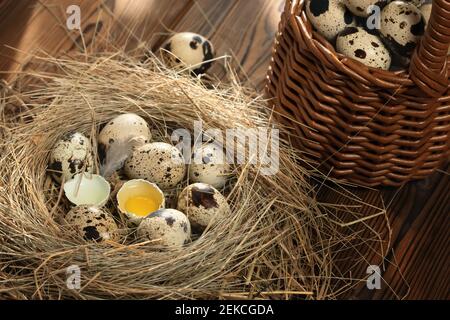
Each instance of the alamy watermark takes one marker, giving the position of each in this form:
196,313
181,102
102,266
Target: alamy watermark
73,21
73,280
374,278
256,146
374,19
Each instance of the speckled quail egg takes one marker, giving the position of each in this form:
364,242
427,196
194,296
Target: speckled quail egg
189,49
329,17
201,203
169,227
401,25
92,223
426,12
121,129
70,155
357,43
209,165
157,162
360,7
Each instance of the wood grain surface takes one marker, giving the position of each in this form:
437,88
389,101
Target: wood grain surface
416,265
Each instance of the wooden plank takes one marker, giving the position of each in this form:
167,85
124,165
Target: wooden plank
38,25
417,264
147,20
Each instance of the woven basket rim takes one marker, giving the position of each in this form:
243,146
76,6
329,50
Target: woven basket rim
388,79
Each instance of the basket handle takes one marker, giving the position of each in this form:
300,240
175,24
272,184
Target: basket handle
428,68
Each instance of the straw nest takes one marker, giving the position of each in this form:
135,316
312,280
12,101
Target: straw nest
277,243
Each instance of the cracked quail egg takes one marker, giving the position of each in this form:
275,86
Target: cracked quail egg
157,162
71,155
169,227
329,17
357,43
92,223
122,128
360,7
201,203
209,165
189,49
401,25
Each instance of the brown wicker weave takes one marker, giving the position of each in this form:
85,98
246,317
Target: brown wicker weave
365,125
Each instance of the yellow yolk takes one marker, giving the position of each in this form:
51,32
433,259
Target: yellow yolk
141,206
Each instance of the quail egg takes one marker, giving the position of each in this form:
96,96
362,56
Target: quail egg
417,3
360,8
70,155
209,165
169,227
357,43
401,25
92,223
157,162
329,17
189,49
202,202
121,129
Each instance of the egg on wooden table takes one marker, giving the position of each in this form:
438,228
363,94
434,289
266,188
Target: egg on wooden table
168,227
71,155
329,17
188,49
157,162
357,43
92,223
209,165
401,25
202,203
121,129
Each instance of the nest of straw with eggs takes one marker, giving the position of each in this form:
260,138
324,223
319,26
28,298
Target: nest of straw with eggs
276,242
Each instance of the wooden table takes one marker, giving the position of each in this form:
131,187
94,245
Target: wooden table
416,265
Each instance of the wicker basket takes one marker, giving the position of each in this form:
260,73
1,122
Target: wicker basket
365,125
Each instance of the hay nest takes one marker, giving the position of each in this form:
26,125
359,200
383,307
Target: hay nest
277,244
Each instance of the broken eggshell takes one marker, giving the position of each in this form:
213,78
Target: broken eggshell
138,188
87,189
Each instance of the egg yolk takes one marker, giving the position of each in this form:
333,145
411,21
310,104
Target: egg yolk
141,206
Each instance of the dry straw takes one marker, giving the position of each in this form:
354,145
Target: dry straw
278,243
